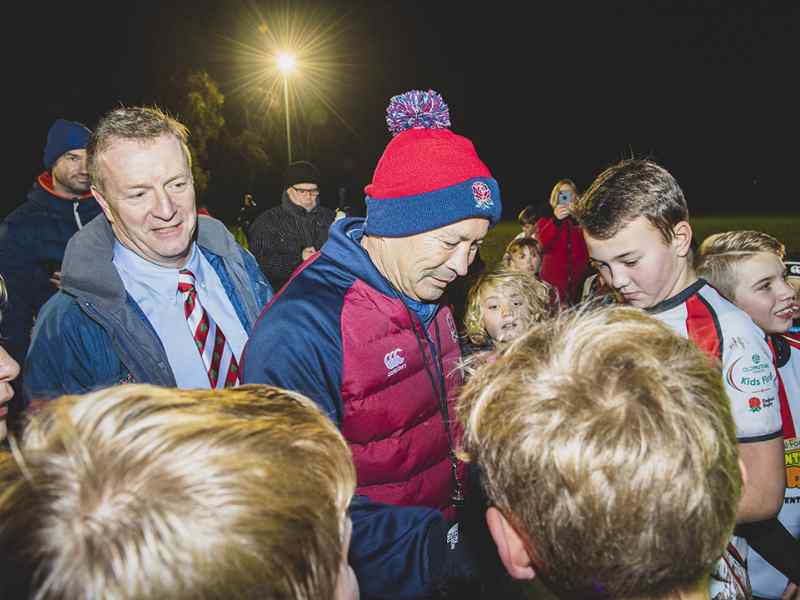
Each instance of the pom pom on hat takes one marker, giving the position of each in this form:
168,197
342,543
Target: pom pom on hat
428,176
62,137
417,110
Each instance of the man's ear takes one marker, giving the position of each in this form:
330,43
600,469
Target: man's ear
510,546
682,238
98,195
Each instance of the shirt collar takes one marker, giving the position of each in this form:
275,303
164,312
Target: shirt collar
162,281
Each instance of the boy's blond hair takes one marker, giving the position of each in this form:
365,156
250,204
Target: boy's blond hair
627,190
144,492
538,298
720,254
607,442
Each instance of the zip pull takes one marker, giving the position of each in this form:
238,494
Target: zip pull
75,205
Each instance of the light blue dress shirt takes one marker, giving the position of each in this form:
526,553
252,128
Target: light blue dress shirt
155,290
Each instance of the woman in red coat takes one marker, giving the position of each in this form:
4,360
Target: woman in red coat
565,262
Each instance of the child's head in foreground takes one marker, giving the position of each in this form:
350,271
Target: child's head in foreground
502,304
747,268
636,224
608,453
525,255
144,492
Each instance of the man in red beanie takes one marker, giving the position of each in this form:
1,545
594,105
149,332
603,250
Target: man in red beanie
33,237
359,329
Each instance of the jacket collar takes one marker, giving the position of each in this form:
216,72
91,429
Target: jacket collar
88,268
45,180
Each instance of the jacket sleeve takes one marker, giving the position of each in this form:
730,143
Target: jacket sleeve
296,345
24,284
69,354
547,230
397,552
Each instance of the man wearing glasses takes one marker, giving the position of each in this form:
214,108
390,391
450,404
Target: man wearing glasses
284,236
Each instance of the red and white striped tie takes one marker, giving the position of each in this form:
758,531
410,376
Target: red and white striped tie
217,355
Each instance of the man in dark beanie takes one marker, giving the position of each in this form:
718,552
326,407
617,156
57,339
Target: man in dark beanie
284,236
33,237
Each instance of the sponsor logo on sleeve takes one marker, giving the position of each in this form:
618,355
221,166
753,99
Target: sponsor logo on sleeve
750,376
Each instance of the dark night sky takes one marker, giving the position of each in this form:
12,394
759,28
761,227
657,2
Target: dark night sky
545,92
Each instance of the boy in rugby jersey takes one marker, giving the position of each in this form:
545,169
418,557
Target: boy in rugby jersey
636,224
748,268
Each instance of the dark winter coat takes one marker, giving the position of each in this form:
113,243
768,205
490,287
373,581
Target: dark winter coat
32,242
277,237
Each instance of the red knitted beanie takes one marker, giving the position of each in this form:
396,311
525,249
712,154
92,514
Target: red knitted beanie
428,176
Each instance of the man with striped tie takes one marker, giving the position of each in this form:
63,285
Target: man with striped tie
150,292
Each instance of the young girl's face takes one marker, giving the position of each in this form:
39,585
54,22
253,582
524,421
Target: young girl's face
504,314
525,260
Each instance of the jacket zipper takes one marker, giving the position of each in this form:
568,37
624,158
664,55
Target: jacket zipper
75,205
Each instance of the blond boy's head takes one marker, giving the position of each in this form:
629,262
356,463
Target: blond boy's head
609,455
145,492
635,222
747,267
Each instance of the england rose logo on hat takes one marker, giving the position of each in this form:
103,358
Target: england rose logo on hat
482,195
428,177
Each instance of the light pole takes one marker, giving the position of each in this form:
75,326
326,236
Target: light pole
286,64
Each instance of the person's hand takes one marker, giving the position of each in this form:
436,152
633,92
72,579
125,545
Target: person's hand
55,279
308,251
792,592
9,369
340,214
561,211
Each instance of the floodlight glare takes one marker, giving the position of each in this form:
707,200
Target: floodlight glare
286,62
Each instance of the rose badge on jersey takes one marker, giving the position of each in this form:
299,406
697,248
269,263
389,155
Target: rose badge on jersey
210,340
